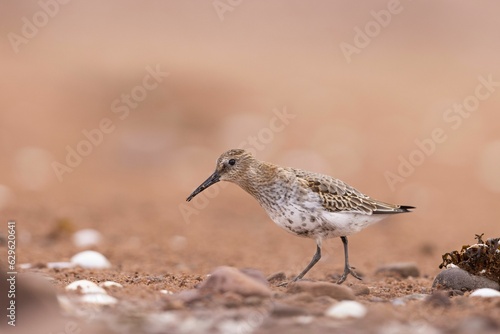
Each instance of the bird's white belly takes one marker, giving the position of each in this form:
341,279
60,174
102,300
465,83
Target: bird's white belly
301,213
307,219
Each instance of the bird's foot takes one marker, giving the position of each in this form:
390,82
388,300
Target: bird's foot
285,284
348,270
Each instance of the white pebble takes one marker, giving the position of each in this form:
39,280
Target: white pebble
166,292
346,309
99,299
25,266
86,238
85,287
108,284
90,260
485,293
60,265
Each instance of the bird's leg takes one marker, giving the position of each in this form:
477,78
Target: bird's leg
311,264
347,269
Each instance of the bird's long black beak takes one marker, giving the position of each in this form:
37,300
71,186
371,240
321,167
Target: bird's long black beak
212,179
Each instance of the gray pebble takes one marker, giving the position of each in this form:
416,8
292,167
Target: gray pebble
459,279
243,282
276,278
403,269
317,289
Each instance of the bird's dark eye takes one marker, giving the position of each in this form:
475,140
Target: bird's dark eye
231,162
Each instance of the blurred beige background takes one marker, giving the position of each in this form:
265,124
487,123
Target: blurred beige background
336,87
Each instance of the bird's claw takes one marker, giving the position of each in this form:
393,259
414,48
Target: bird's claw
347,271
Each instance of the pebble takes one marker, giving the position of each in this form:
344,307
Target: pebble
402,269
229,279
403,300
255,274
276,278
438,299
346,309
98,299
85,287
110,284
360,289
86,238
90,260
60,265
301,297
284,310
485,293
91,294
459,279
317,289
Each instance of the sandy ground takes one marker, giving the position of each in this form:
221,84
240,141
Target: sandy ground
149,95
146,262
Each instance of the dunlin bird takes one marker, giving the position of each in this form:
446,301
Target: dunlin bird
304,203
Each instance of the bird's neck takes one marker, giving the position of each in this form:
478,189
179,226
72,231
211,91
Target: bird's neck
258,178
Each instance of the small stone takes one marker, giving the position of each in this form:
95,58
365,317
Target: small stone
485,293
98,299
252,301
110,284
438,299
85,287
60,265
459,279
403,300
398,302
255,274
232,299
186,296
276,278
284,310
346,309
90,260
228,279
360,290
403,270
317,289
86,238
301,297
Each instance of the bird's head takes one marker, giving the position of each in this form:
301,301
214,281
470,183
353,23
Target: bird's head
232,166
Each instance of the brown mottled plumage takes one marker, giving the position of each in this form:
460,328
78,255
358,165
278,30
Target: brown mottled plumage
304,203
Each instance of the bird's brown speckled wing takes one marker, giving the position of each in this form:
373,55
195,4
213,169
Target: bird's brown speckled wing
337,196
